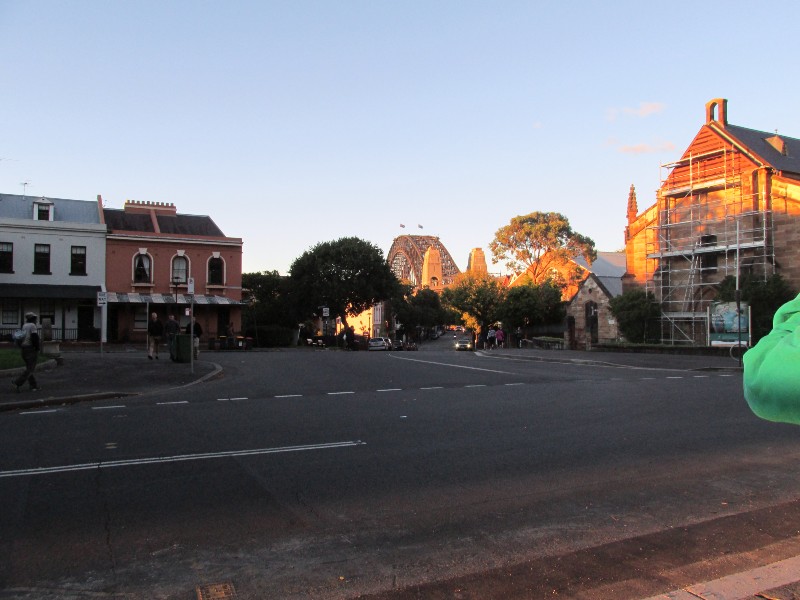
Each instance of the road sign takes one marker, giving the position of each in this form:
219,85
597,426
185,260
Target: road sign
326,312
102,298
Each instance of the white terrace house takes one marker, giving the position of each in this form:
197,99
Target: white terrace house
52,263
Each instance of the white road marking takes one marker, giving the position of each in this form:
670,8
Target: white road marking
390,390
38,412
337,393
434,387
289,396
108,407
519,383
173,402
431,362
476,385
176,458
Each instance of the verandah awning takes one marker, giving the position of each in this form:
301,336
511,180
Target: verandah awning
117,297
38,290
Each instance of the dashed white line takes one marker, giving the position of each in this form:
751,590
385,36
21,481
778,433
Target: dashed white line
520,383
339,393
433,387
173,402
289,396
475,385
39,412
390,390
108,407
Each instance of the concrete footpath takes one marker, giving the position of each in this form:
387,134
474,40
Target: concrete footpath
83,376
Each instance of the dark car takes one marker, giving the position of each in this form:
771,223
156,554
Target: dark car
397,344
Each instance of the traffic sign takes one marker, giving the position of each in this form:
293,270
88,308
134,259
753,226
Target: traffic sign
102,298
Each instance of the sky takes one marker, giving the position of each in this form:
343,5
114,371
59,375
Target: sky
297,122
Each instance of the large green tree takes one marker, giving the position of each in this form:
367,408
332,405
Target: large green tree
637,313
538,242
423,309
347,275
477,296
532,305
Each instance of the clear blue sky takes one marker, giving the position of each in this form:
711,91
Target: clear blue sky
295,122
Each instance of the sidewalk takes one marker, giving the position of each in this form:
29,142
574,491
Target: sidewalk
91,375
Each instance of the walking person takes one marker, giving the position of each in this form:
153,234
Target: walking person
171,329
490,337
155,331
499,337
29,347
194,329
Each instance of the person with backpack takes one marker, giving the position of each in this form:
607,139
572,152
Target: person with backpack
29,347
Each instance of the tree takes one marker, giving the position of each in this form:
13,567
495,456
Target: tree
347,275
423,309
764,298
477,296
269,298
532,305
635,312
539,241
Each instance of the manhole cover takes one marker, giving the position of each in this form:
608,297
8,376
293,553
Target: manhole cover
216,591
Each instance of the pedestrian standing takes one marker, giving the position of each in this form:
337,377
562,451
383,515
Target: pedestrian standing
29,347
193,328
171,329
490,337
500,337
155,331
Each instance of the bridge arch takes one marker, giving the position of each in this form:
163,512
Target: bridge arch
406,257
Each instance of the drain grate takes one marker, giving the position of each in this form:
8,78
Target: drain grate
216,591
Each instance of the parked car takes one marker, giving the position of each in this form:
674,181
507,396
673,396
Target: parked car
397,345
410,346
379,343
464,344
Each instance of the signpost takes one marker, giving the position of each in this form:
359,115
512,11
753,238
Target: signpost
102,303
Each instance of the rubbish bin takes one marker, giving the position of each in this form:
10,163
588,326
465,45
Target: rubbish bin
183,348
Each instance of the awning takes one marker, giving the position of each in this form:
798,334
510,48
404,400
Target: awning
115,297
38,290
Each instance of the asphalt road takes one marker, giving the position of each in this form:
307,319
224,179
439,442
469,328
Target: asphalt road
428,474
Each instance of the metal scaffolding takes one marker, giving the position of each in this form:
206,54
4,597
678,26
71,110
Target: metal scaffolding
713,221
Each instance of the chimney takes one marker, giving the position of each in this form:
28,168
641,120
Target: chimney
717,111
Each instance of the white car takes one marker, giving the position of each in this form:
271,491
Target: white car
379,343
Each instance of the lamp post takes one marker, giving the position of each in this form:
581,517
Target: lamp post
176,281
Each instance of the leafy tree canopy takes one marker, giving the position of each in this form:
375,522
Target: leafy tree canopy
635,311
533,305
269,295
347,275
477,296
538,241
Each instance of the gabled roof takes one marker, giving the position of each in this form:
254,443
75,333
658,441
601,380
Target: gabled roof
607,269
14,206
758,143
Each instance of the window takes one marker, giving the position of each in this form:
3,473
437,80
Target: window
41,259
78,261
10,312
43,210
141,269
216,270
6,257
180,269
47,310
140,317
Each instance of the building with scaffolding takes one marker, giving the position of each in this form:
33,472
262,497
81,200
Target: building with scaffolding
730,206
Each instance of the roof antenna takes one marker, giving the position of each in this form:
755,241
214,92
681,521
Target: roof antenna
24,185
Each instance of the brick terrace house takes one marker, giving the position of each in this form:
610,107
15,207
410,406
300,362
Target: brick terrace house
152,254
730,204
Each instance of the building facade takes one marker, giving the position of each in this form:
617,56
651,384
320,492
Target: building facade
52,263
169,263
729,206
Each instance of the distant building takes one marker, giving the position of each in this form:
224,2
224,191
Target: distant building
52,263
730,204
154,253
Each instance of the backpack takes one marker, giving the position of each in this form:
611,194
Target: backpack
18,336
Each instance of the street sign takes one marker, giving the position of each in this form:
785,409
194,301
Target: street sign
102,298
326,312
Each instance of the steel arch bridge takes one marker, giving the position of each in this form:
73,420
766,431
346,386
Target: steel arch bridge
407,255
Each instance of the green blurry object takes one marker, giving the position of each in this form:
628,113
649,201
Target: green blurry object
772,368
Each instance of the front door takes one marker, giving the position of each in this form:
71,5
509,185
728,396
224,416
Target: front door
86,329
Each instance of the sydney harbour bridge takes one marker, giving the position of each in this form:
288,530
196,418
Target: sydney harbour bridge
407,258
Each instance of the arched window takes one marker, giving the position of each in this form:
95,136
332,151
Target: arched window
216,271
180,269
142,268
